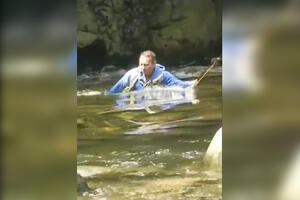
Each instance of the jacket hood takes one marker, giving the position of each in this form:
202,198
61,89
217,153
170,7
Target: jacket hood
158,70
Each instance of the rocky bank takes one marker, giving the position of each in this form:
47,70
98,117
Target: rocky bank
115,31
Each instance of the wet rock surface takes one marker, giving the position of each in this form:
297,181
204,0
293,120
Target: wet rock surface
176,30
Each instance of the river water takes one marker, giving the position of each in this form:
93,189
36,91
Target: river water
133,154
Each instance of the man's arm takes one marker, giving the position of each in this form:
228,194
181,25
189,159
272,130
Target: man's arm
169,79
120,85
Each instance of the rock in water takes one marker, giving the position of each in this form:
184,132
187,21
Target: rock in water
81,185
213,156
290,186
89,171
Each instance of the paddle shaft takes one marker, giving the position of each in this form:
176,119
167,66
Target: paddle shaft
203,75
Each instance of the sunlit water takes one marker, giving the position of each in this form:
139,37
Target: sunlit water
127,153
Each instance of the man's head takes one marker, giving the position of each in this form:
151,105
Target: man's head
147,62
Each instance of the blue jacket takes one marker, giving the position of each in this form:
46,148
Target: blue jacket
138,80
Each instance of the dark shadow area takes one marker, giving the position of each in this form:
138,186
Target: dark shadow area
92,57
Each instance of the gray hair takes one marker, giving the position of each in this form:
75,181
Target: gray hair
149,54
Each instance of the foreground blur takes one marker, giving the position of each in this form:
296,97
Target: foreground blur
38,124
260,111
261,101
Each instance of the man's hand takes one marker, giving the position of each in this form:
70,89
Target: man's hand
194,83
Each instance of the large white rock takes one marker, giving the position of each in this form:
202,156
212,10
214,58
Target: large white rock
213,156
290,186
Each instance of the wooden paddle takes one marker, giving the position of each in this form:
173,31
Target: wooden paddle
197,81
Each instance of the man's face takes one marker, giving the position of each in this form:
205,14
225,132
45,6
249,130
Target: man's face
146,65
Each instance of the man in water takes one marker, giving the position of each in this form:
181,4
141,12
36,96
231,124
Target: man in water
148,73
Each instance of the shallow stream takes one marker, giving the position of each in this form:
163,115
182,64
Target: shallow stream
131,154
